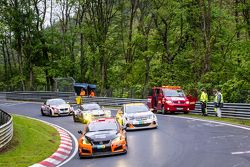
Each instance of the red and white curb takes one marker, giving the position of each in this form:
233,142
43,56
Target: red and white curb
62,153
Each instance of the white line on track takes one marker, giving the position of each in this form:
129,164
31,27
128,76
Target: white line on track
243,152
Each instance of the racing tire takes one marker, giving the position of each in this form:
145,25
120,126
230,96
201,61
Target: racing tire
42,113
186,112
50,113
74,118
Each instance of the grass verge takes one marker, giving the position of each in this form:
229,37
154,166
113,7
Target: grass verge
234,121
33,141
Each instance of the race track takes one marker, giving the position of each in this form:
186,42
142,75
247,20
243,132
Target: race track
177,142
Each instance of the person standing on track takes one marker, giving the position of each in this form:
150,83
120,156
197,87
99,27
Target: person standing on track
204,100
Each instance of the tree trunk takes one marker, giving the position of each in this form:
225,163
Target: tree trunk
237,19
82,56
31,85
5,62
103,70
206,29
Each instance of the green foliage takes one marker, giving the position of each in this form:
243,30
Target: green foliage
168,45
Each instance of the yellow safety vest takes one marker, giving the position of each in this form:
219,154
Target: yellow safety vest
204,97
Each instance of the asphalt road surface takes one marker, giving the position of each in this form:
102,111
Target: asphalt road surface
177,142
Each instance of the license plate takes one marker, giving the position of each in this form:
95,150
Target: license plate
100,146
179,108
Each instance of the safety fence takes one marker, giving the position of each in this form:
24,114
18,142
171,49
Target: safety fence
38,96
234,110
229,110
6,128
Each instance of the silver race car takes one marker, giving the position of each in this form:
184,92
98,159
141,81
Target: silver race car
56,107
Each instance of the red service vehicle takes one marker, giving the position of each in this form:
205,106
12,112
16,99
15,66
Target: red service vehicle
170,99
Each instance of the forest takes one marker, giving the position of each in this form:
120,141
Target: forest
127,44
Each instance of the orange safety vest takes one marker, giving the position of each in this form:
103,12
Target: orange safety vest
92,94
82,93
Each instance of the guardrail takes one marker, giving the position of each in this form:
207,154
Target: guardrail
229,110
38,96
6,128
109,101
233,110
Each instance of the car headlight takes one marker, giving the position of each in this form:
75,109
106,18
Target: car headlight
151,117
55,109
118,138
187,102
130,118
85,140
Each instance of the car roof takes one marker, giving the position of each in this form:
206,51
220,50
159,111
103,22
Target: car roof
104,120
90,103
134,104
54,99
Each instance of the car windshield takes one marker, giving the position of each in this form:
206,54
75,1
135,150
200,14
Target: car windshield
56,102
136,108
102,126
91,107
173,93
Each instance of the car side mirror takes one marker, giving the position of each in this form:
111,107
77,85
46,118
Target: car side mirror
80,132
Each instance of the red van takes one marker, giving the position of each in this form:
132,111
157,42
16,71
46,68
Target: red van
170,99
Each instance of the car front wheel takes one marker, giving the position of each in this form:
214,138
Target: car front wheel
42,112
74,118
50,113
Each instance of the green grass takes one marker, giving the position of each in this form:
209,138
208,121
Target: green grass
235,121
33,141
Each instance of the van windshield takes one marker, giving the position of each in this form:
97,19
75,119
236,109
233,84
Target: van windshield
173,93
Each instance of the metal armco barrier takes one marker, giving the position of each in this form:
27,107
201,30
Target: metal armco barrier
38,96
109,101
6,128
234,110
229,110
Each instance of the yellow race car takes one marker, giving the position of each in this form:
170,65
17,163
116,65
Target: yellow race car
88,112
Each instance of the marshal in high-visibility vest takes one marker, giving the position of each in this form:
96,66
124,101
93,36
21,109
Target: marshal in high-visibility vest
79,100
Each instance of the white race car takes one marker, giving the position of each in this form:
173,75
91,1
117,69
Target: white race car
136,116
56,107
88,112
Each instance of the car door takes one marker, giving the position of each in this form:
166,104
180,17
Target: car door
192,101
46,107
